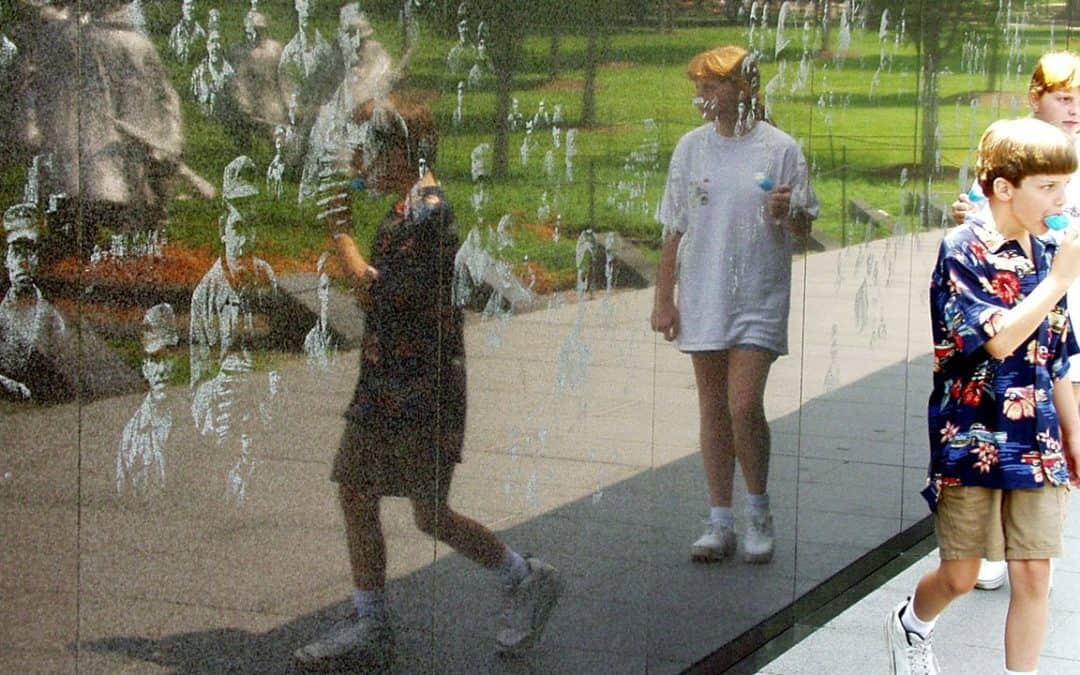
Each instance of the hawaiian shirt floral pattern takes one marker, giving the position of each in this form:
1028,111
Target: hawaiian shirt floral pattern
992,422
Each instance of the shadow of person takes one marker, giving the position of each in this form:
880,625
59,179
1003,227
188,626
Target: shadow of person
231,650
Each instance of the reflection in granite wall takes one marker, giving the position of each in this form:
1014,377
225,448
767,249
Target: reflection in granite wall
177,349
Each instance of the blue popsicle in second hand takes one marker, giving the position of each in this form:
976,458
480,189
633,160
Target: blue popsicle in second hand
763,181
1057,222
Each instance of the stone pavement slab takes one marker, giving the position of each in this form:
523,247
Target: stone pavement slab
968,637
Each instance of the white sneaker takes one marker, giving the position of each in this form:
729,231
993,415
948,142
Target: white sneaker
352,641
717,543
992,574
759,539
528,606
909,653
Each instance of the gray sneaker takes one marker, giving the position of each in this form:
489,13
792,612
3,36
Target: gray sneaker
759,539
368,639
528,606
909,653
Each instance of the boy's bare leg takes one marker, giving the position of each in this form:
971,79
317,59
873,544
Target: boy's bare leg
363,533
466,536
368,634
531,593
1029,606
940,587
715,429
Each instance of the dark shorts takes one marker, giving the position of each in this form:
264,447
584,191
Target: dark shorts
399,466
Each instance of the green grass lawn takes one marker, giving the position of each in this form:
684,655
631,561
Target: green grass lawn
857,128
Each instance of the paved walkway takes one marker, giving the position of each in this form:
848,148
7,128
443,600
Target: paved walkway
968,637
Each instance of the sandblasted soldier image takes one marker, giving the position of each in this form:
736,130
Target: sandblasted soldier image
319,344
232,404
369,74
256,92
249,22
187,33
142,457
30,327
275,172
212,79
307,73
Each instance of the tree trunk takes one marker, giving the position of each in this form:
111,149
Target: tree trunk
553,51
667,15
500,151
826,25
504,43
930,50
592,57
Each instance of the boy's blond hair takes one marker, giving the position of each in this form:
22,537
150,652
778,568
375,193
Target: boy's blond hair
1016,149
1053,72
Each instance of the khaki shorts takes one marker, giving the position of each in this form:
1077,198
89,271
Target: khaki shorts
978,522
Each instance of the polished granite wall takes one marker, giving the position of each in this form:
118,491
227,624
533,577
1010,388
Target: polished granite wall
581,444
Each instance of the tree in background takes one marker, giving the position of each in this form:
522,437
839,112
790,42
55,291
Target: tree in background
507,23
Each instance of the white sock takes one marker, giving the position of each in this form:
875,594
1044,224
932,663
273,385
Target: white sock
912,623
369,603
721,515
514,568
1020,672
757,505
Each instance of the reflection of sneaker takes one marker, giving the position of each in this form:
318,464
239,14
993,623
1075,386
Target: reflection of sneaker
717,543
528,607
758,539
909,653
992,574
368,639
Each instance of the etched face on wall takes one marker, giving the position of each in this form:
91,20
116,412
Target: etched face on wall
157,370
303,11
21,260
213,47
353,33
237,235
21,236
187,9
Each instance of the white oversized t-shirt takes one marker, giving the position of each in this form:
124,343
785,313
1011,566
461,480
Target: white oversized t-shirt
734,259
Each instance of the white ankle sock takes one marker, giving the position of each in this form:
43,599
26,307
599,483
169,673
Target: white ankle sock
757,505
369,603
514,568
912,623
1020,672
721,515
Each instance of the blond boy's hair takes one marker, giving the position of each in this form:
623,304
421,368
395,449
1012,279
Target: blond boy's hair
1016,149
1055,71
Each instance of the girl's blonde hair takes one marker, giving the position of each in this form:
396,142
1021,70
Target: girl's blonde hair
730,62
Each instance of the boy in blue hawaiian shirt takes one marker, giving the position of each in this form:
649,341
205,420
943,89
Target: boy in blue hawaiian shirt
1004,436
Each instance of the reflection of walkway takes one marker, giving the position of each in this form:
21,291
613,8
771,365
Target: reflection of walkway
604,481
